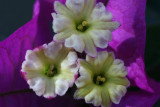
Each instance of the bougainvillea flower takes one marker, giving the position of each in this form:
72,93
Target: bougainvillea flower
128,44
102,79
50,69
83,25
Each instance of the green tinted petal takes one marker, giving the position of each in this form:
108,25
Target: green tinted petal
82,92
62,9
106,102
108,62
60,37
89,5
89,46
87,66
105,25
118,81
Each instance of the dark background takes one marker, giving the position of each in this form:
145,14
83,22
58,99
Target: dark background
14,14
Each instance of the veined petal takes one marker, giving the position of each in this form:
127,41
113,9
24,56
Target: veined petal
50,89
89,5
70,62
52,49
117,69
94,97
105,25
63,10
84,78
76,42
38,85
75,5
60,22
97,61
90,49
82,92
105,98
61,87
60,37
100,13
101,37
116,92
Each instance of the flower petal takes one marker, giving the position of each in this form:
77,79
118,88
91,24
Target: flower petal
89,46
117,69
61,87
116,92
50,88
105,25
94,97
60,37
38,85
60,22
84,78
100,13
61,9
52,50
76,42
75,5
101,37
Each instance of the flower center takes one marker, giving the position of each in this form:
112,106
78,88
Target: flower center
82,27
99,80
51,71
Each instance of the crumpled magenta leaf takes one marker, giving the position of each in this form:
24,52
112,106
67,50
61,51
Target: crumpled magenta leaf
138,99
128,44
129,39
12,50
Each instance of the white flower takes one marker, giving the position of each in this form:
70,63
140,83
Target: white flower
102,80
82,25
50,69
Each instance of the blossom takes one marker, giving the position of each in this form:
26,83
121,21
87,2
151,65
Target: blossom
50,69
83,25
131,35
102,79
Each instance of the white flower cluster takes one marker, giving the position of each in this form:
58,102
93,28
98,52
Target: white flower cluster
80,25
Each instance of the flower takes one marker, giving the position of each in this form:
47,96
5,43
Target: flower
102,79
50,69
83,25
130,14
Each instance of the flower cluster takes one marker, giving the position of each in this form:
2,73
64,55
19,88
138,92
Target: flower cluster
80,25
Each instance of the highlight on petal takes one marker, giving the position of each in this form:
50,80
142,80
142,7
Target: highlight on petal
90,21
76,42
103,88
101,38
60,22
90,48
75,5
100,13
46,72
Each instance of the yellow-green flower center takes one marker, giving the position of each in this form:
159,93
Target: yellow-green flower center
99,80
82,27
51,71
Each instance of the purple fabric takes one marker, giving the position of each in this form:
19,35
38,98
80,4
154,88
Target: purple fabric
128,44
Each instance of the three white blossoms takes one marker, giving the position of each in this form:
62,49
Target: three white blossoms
81,25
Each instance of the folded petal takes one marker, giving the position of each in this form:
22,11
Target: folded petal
99,13
75,5
76,42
